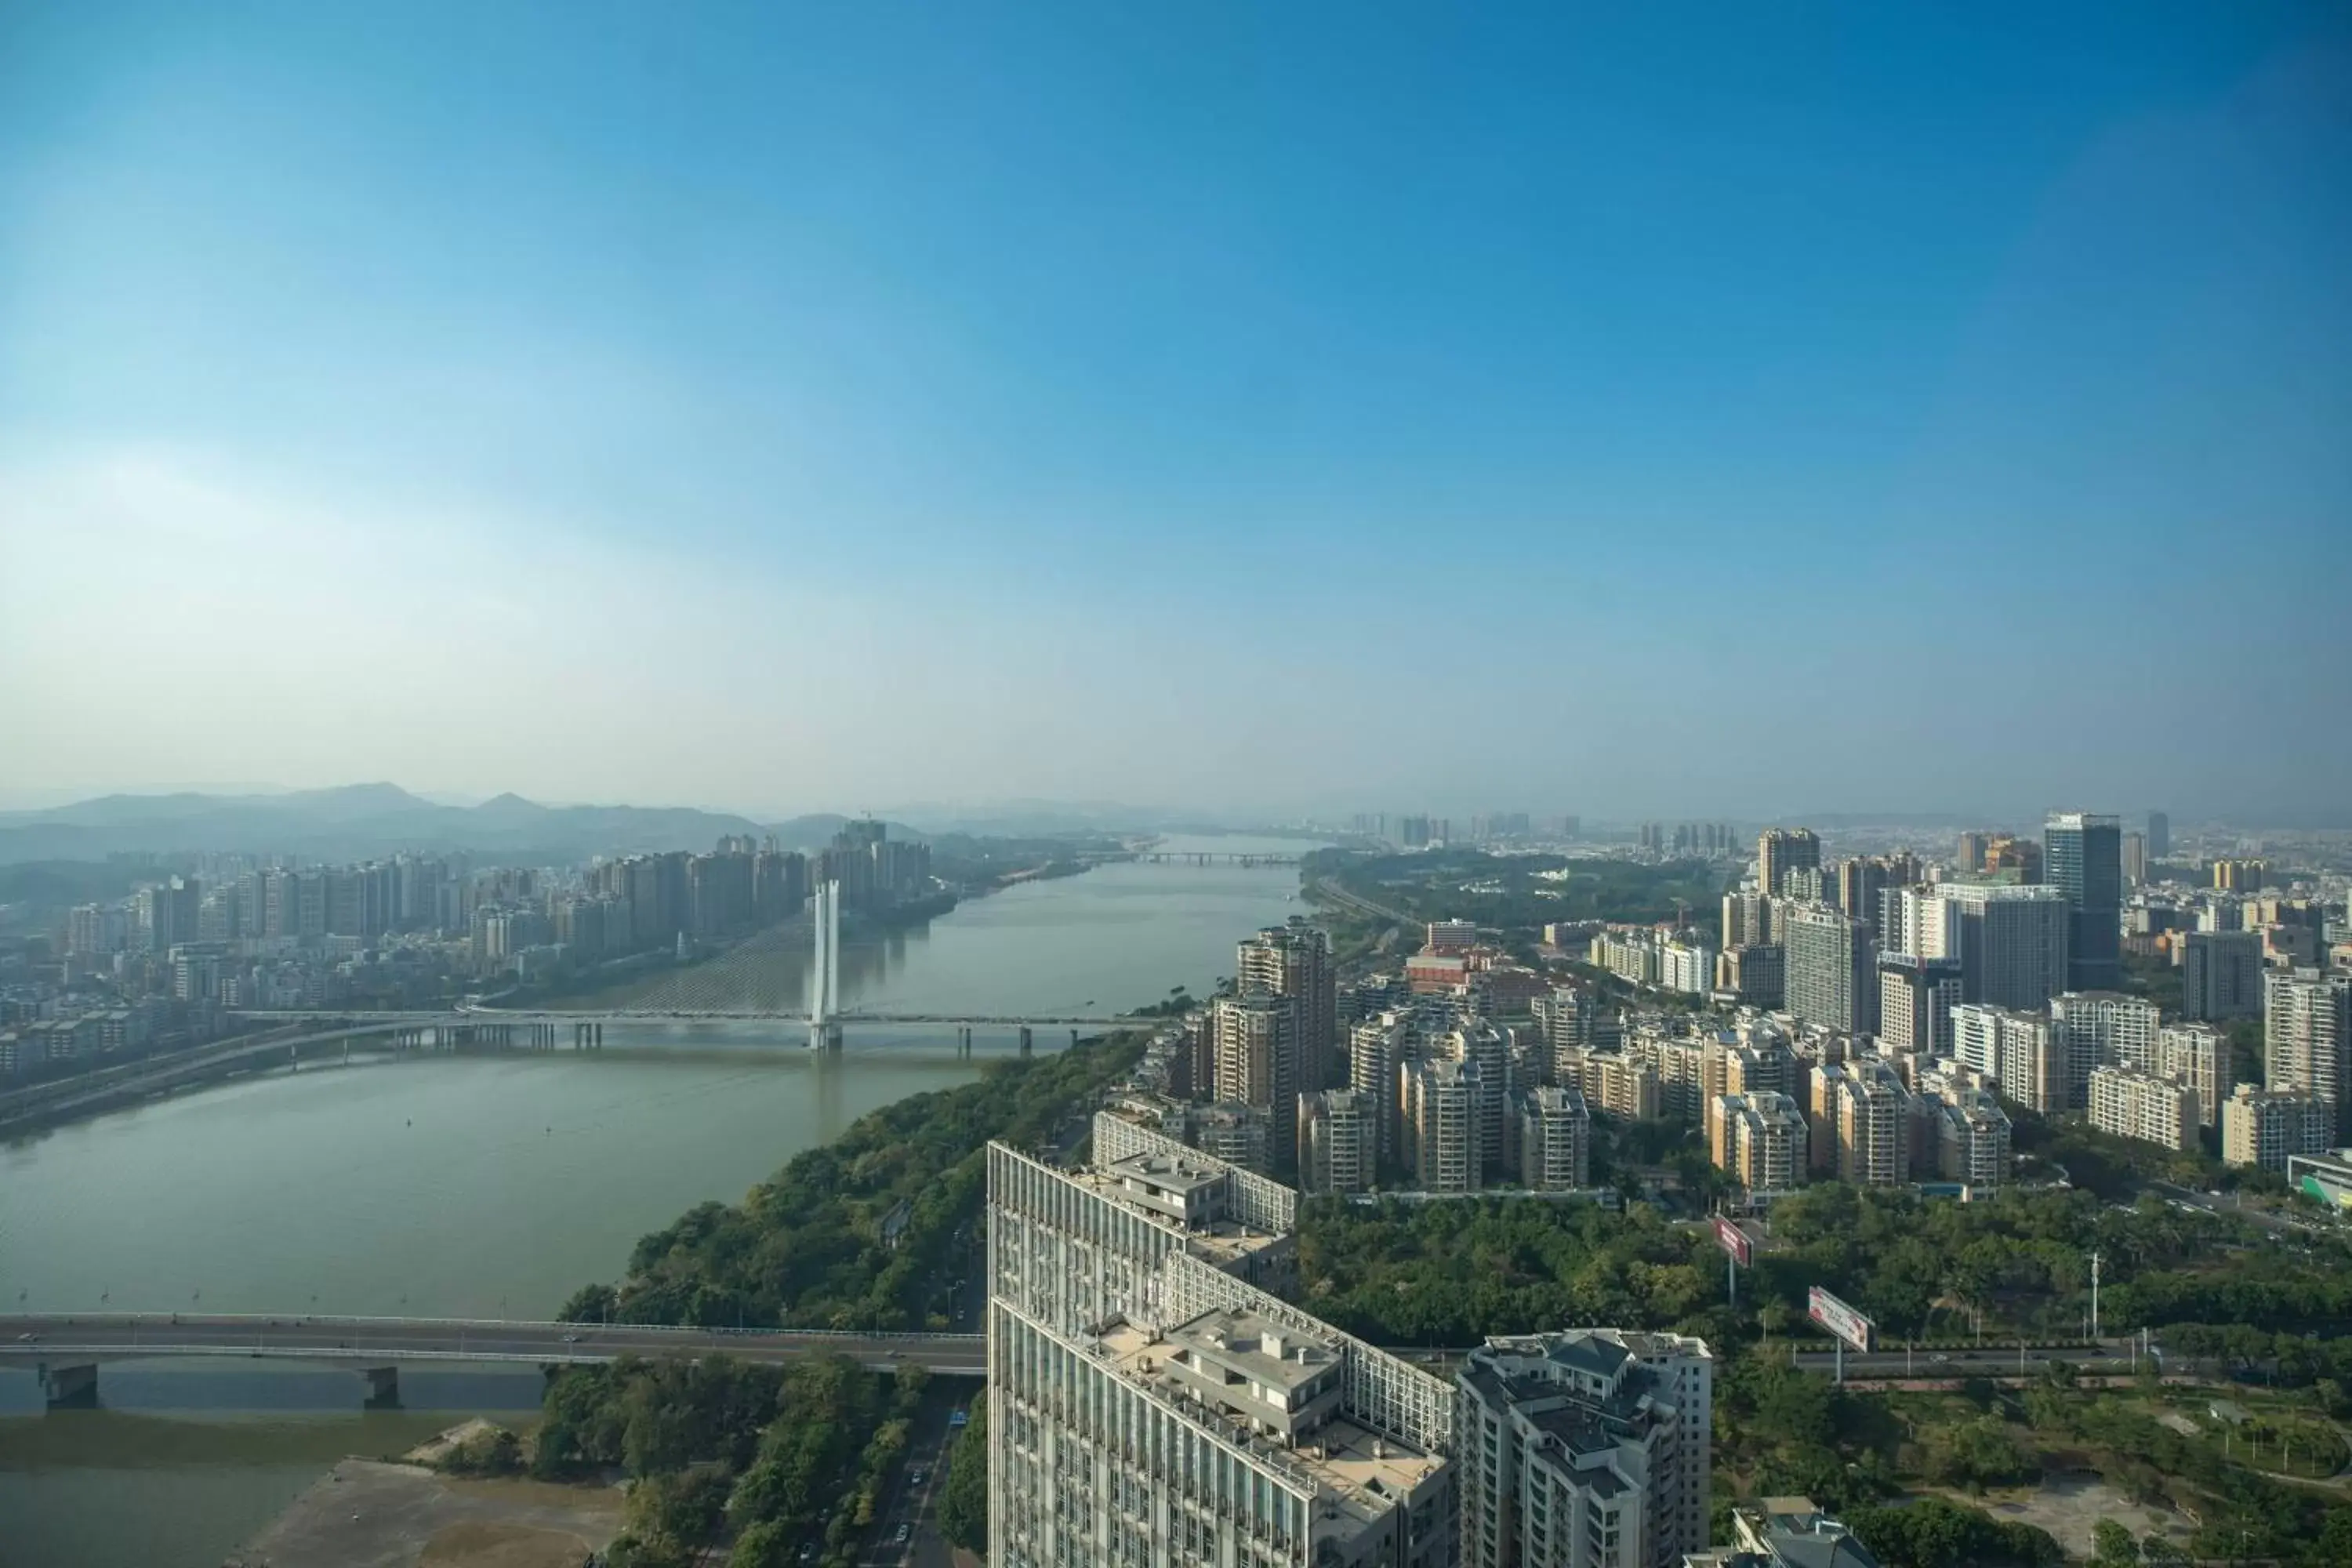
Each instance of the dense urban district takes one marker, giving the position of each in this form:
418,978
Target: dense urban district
1655,1199
151,952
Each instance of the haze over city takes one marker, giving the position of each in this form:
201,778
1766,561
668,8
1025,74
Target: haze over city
1709,411
1016,784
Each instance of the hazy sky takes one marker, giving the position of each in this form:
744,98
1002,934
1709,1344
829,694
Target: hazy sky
1720,408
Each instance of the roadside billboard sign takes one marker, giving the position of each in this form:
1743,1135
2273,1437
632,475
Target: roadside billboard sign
1840,1319
1734,1240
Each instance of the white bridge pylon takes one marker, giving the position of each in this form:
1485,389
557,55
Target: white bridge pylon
824,976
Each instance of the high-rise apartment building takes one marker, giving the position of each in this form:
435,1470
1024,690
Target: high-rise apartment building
1239,1135
2101,1027
1294,961
1438,1125
2085,855
1968,852
1747,917
2198,1055
1621,1085
2016,1049
1757,974
1972,1138
1918,922
2239,876
1254,1032
1336,1141
1481,1044
1781,850
1570,1019
1861,883
1376,1047
2011,940
1147,1403
1864,1110
2159,835
1762,1062
1686,1076
2264,1126
1585,1446
2307,1038
1256,1056
2144,1107
163,914
1915,998
1555,1138
1832,968
2136,859
2220,975
1759,1139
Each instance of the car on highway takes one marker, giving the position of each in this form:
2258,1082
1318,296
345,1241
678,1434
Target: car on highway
900,1536
26,1339
914,1477
572,1339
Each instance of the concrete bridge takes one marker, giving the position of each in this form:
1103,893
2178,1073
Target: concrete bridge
494,1028
1186,858
70,1350
518,1022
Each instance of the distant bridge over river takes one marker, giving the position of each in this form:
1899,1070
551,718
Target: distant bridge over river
68,1351
1186,858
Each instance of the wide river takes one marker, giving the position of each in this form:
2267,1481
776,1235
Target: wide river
440,1185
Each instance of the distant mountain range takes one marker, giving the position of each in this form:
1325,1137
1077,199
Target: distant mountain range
357,821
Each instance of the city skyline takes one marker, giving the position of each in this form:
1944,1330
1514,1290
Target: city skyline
813,410
1340,811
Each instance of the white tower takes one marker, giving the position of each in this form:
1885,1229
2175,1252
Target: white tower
825,975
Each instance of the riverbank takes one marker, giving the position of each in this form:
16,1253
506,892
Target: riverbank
876,1230
367,1513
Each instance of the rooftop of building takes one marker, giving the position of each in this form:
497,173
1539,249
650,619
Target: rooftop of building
1533,1369
1267,1352
1167,1171
1221,1241
1353,1470
1794,1531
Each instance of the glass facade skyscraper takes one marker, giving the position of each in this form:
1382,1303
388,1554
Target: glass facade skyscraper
2083,857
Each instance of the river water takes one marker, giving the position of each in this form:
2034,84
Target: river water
440,1185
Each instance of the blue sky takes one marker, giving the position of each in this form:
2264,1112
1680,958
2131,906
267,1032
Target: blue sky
1670,409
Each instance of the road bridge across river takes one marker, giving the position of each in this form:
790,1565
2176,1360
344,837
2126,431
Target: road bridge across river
69,1349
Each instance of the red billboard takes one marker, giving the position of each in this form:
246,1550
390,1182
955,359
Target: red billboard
1839,1318
1734,1240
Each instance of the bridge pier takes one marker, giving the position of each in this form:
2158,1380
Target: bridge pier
1027,1041
71,1387
384,1387
963,1039
1073,1039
